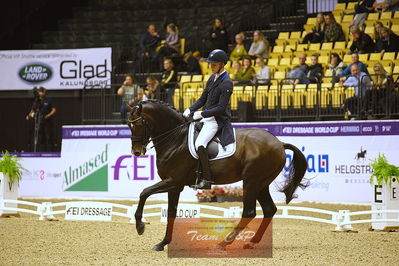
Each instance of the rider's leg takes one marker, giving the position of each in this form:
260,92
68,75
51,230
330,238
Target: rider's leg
206,134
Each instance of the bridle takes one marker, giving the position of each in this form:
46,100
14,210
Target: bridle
145,139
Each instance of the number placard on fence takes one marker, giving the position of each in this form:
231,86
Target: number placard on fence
88,211
183,211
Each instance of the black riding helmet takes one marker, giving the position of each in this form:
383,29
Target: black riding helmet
217,56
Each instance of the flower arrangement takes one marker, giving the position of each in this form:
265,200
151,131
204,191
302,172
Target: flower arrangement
220,194
382,170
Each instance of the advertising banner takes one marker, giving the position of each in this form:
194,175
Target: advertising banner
96,162
55,69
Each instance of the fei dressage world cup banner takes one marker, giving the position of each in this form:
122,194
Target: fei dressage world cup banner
95,162
55,69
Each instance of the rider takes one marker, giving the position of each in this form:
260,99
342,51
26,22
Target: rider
215,115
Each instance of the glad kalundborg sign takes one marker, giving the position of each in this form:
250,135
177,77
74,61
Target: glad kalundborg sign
95,162
55,69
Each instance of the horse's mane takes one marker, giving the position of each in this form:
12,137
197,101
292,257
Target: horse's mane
165,105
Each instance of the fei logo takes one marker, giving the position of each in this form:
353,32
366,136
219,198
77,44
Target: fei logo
143,167
91,175
316,162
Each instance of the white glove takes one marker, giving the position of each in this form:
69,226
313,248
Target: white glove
187,112
197,115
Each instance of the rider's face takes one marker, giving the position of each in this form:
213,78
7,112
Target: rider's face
216,67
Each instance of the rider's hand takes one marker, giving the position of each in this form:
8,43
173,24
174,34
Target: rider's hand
187,112
197,115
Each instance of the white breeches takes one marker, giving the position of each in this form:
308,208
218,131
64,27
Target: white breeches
207,132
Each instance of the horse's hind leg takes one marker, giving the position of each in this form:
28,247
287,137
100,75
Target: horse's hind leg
269,209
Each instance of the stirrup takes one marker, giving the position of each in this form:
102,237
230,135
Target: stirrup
202,184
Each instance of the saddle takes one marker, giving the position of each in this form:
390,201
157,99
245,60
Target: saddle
214,149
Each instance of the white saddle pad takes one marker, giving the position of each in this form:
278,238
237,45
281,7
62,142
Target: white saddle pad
225,152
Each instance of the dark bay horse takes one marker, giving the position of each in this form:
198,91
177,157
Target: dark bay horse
258,160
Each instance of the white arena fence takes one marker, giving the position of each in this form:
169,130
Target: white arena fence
341,219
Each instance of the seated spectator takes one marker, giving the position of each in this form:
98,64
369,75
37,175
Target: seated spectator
362,43
147,49
192,62
316,35
259,46
218,35
244,76
168,81
131,94
171,45
314,72
389,41
347,70
336,67
361,10
361,82
297,74
262,77
333,31
239,50
247,43
374,97
151,91
377,31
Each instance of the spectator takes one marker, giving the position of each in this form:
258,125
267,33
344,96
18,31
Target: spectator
361,82
219,37
315,71
236,65
151,91
297,74
168,81
374,98
245,74
192,62
263,75
259,46
171,45
130,95
43,111
389,41
361,11
147,45
347,70
316,35
336,67
247,43
362,43
377,31
239,50
333,31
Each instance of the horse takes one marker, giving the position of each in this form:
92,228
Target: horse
361,154
258,160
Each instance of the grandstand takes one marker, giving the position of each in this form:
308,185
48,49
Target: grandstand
119,24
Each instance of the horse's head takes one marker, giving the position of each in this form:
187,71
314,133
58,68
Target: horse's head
139,129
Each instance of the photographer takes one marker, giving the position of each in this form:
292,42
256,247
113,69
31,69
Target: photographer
42,113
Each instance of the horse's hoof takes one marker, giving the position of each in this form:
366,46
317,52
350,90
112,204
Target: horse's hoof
140,228
158,247
249,245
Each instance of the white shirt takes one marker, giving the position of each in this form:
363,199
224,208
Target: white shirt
263,75
217,76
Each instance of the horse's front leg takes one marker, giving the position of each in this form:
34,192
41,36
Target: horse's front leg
160,187
173,200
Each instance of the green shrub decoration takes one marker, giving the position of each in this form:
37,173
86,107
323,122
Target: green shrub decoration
10,166
382,170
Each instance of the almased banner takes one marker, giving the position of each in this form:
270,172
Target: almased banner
95,162
55,69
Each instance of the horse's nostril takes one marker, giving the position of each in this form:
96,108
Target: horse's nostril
136,153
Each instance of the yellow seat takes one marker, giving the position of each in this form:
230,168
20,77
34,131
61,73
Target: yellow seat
294,42
296,35
363,57
273,61
369,31
206,77
340,6
272,97
286,96
347,59
337,97
290,48
189,97
184,81
311,21
279,75
375,57
327,46
278,49
302,47
261,98
283,35
395,69
196,78
395,28
347,19
339,45
386,15
350,7
324,59
314,47
373,16
235,97
285,61
308,27
204,68
182,45
295,61
311,96
389,56
247,93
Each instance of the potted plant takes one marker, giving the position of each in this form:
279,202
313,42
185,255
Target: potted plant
229,194
383,171
10,175
206,195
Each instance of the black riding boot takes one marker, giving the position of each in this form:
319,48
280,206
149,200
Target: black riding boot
205,180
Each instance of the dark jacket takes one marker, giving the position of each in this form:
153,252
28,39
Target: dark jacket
193,67
148,43
314,73
391,44
221,40
364,45
169,79
215,100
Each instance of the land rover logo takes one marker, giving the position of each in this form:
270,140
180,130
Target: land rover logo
35,73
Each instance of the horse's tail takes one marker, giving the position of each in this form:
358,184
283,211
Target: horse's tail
296,172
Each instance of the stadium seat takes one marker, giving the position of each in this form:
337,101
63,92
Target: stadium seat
286,95
347,19
350,8
339,45
395,28
337,97
396,69
311,96
285,61
386,15
278,49
299,96
289,48
314,47
279,75
235,97
206,77
375,57
196,78
273,61
184,80
182,45
324,59
389,56
373,16
272,98
283,35
296,35
247,94
340,6
261,97
302,47
176,98
327,46
311,21
308,27
363,57
370,31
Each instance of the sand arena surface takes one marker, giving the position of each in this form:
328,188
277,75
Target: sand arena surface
28,241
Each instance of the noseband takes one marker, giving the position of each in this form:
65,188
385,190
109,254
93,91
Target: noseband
145,139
